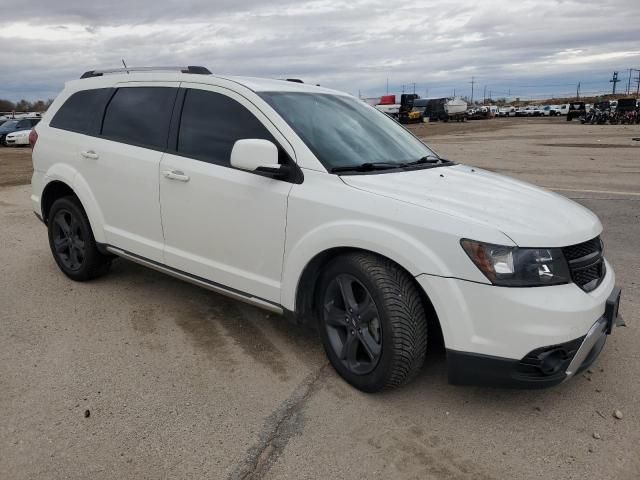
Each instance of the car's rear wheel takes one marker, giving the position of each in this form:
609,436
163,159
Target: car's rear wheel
72,243
372,321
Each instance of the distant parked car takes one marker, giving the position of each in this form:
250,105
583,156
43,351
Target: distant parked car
507,112
17,139
551,110
537,111
527,111
16,125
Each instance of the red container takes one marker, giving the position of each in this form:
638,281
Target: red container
387,100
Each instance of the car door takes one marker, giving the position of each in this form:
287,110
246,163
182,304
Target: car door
220,223
120,165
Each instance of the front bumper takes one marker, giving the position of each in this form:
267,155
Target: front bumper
542,367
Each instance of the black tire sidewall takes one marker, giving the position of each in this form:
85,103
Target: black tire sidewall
92,256
379,377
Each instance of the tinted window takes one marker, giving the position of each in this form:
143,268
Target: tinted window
82,112
140,116
211,123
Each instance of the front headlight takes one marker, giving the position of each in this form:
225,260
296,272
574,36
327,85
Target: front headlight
518,267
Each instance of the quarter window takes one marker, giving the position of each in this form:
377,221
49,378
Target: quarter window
211,123
140,116
82,112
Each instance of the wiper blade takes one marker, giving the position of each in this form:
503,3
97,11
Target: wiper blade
368,167
426,159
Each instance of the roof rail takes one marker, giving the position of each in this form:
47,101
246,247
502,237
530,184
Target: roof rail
294,80
190,69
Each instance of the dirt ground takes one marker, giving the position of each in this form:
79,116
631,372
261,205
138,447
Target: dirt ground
138,375
15,166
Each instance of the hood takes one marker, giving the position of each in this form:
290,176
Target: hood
529,215
19,133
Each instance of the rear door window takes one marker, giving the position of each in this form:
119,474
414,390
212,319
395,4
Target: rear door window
82,112
211,123
140,116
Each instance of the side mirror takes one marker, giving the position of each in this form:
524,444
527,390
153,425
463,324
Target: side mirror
257,155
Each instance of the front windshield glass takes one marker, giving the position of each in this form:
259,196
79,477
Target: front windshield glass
345,132
9,124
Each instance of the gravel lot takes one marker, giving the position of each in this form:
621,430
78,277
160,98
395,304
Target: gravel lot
138,375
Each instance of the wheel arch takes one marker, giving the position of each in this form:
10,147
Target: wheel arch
53,191
59,186
306,289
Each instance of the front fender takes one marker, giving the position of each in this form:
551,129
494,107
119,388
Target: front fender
404,249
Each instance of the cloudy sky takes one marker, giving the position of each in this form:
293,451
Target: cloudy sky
519,46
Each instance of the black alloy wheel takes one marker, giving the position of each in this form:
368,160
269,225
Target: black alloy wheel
72,242
352,323
372,321
68,240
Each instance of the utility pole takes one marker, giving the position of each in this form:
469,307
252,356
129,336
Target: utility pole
472,83
403,88
578,92
614,80
637,79
484,95
414,87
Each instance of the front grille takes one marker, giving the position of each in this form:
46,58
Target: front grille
582,249
586,263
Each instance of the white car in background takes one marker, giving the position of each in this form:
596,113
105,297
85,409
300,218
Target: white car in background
505,111
20,138
551,110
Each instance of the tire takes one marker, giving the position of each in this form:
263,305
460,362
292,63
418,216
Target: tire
382,342
72,243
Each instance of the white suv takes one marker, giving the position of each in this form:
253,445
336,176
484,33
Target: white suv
309,202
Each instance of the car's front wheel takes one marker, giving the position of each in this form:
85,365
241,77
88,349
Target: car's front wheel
72,243
372,321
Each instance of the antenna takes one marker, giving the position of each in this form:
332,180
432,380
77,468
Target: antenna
125,65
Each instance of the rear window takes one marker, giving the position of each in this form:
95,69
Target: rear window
140,116
82,112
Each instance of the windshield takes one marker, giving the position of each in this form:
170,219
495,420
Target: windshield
345,132
9,124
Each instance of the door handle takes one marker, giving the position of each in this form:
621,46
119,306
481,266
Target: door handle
90,154
176,175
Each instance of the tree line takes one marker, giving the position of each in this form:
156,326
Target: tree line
24,105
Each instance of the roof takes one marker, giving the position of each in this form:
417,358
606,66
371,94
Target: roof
253,83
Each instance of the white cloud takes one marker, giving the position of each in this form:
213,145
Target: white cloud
350,45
